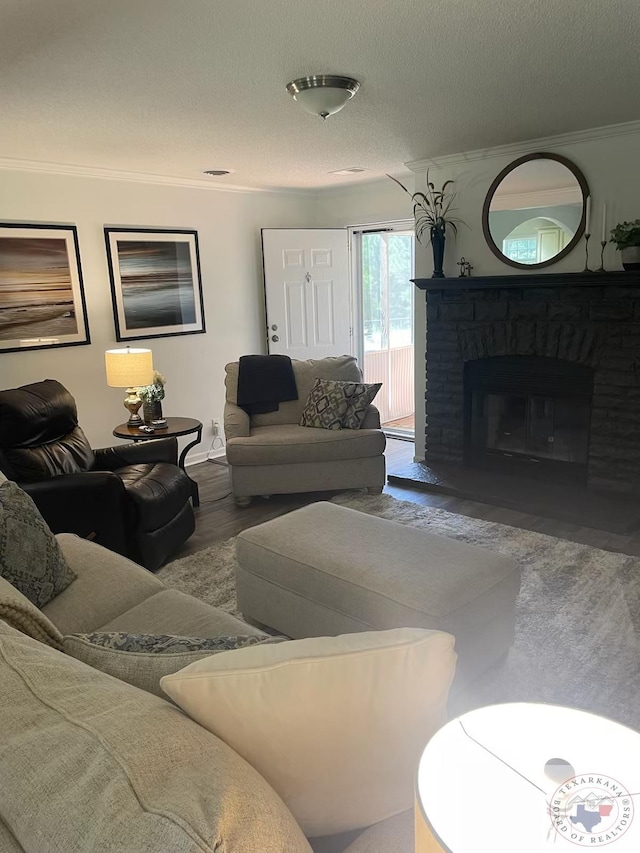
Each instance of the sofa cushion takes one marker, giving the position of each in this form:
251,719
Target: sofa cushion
20,613
30,557
107,585
8,841
142,659
291,443
335,724
172,612
326,405
305,372
89,763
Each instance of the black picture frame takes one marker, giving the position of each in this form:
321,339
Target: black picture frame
156,284
42,299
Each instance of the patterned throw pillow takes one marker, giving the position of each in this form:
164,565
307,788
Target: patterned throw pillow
359,397
30,557
159,644
143,659
326,405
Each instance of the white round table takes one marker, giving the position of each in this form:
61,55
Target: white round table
483,784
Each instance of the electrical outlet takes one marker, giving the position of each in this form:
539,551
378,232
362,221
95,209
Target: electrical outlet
215,426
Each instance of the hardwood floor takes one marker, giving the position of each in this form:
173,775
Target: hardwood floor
218,517
402,423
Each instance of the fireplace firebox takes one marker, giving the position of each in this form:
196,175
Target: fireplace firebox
528,415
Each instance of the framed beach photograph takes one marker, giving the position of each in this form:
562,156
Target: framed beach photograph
155,282
42,302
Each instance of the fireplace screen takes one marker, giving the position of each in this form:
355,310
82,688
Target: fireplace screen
530,410
544,427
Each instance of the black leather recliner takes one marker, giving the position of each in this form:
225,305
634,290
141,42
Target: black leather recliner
133,499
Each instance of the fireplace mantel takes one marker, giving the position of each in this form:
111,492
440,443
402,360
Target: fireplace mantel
574,279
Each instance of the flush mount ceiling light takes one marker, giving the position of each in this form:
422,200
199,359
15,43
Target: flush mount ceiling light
352,170
218,172
323,94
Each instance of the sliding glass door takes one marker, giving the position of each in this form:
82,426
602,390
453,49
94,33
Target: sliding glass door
384,263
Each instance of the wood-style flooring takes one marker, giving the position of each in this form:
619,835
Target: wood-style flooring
402,423
218,517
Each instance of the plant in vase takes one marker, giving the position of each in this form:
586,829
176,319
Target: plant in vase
431,212
152,397
626,236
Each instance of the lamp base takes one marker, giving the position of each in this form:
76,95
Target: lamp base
132,404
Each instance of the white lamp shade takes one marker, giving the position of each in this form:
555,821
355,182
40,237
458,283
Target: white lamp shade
487,775
319,102
127,368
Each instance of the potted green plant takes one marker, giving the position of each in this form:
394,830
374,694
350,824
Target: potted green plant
152,397
626,236
431,212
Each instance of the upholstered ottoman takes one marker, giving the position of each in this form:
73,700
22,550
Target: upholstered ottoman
327,570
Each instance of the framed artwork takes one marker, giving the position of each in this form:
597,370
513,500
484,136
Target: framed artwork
155,283
42,302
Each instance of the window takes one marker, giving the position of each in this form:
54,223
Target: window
521,249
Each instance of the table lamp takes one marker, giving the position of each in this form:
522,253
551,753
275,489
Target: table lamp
129,368
528,777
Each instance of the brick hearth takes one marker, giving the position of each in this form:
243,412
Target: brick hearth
590,319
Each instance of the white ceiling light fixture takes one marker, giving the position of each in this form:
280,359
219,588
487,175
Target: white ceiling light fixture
353,170
323,94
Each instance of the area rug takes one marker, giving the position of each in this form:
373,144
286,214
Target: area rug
578,612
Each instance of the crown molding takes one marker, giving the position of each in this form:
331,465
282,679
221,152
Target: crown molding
16,165
526,146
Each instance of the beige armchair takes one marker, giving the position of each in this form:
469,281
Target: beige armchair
272,454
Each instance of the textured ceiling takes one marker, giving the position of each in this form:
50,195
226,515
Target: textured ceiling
173,87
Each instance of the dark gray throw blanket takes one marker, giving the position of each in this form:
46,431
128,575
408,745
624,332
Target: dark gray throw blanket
265,381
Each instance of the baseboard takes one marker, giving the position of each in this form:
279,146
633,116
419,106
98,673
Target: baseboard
203,455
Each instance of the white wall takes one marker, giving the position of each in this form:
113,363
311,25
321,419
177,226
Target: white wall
228,225
363,204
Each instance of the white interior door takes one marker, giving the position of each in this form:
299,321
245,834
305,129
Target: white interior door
307,291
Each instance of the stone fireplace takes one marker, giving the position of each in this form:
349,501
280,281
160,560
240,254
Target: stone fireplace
536,375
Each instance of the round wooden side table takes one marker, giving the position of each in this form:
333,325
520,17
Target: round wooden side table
175,428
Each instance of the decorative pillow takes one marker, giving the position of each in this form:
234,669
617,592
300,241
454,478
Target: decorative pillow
326,405
142,659
359,397
335,724
30,557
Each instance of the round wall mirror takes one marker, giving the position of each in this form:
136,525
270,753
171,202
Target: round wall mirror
535,210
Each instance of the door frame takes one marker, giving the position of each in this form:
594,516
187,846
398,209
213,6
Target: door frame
357,328
355,232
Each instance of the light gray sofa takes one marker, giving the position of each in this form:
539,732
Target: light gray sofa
272,454
85,756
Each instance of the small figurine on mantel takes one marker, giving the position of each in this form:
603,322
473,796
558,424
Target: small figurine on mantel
465,268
